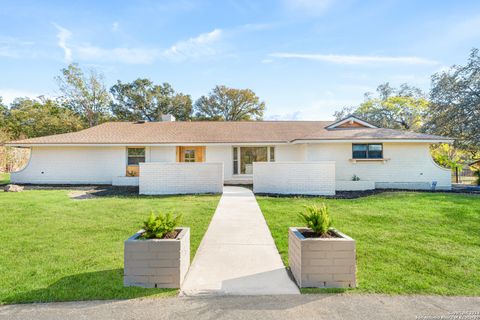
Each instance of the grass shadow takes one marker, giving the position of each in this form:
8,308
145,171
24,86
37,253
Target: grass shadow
97,285
325,290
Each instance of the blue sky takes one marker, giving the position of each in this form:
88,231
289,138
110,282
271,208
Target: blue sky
304,58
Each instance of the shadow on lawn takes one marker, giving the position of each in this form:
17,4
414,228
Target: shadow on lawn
98,285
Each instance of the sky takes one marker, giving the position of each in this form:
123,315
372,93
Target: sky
304,58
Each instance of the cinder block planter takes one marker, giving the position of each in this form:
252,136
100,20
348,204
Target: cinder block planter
156,263
322,262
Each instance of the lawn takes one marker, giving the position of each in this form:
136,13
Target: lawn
407,243
58,249
4,178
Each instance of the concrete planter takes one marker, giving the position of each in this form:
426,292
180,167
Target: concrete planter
322,262
156,263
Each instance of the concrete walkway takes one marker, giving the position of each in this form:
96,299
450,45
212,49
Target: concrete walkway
304,307
237,255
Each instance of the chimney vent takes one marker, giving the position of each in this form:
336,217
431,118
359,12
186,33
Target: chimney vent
168,117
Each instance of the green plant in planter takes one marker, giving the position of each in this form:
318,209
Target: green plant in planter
157,227
355,178
317,218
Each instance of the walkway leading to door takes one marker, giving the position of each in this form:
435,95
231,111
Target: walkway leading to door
237,255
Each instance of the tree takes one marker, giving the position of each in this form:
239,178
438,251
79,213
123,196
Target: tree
30,118
455,104
228,104
3,113
86,95
144,100
402,108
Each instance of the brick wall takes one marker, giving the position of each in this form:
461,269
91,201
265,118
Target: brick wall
180,178
157,263
343,185
314,178
322,262
407,165
72,165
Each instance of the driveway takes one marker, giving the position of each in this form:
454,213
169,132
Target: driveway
304,307
237,255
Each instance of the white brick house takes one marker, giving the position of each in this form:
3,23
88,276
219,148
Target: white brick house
315,157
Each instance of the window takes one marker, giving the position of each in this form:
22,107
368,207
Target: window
244,157
272,154
135,156
189,155
367,151
235,160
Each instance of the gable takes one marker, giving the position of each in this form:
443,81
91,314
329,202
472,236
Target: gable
351,122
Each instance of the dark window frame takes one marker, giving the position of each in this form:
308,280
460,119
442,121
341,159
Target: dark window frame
367,152
136,156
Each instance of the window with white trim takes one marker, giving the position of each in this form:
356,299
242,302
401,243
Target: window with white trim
244,157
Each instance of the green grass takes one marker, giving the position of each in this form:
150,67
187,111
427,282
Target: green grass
407,243
4,178
54,248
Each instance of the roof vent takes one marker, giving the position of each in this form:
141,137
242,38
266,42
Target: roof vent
168,117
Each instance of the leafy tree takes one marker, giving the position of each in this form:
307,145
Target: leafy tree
86,95
229,104
34,118
3,113
455,104
402,108
448,156
144,100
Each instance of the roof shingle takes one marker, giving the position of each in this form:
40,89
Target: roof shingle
220,132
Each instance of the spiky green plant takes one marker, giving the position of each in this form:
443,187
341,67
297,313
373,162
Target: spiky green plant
156,227
317,218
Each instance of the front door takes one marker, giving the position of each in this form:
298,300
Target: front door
191,154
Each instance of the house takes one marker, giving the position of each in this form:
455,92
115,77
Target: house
304,157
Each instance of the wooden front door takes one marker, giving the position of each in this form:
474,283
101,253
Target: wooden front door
190,154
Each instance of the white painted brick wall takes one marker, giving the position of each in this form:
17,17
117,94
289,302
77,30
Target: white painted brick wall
72,165
344,185
408,164
125,181
180,178
312,178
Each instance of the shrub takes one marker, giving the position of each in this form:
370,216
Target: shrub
355,178
477,173
159,226
317,219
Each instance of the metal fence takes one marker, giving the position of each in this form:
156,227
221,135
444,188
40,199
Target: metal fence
465,176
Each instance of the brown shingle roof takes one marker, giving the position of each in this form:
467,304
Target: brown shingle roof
219,132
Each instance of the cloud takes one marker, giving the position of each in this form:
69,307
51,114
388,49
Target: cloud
63,36
8,95
15,48
309,7
193,48
115,26
355,59
284,116
124,55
